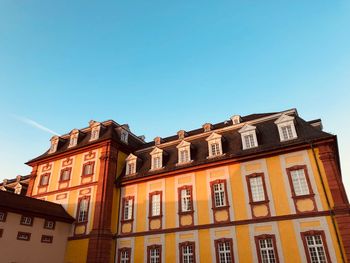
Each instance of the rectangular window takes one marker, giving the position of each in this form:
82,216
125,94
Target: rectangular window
65,174
46,239
44,179
299,182
1,232
219,194
157,162
124,136
187,252
154,254
83,210
88,169
124,255
3,216
156,202
223,248
184,156
266,248
128,208
315,246
186,199
49,224
130,168
287,132
256,187
215,149
249,141
27,220
23,236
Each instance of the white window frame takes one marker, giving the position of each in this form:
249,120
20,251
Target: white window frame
54,144
125,256
73,141
83,210
156,204
186,254
154,255
131,162
224,252
219,194
266,245
257,188
184,152
248,131
186,200
128,208
156,159
283,122
299,181
214,139
27,220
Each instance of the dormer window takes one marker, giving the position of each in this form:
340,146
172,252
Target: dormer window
248,136
236,119
54,144
184,152
130,164
124,136
73,141
95,130
214,145
157,158
286,128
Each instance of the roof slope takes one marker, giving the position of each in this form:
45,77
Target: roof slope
40,208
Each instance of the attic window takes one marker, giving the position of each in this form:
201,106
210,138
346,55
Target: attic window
286,128
54,144
95,130
184,152
157,158
130,164
248,136
73,138
236,119
214,145
124,136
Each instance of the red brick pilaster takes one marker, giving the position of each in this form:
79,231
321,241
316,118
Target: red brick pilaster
33,175
341,207
101,237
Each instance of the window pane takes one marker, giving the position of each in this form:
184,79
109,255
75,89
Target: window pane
257,189
299,182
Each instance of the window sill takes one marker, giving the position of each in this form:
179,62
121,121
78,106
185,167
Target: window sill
287,140
184,163
155,217
221,207
127,220
186,213
216,156
259,202
303,196
87,175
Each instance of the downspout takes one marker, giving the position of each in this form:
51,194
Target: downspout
328,202
119,202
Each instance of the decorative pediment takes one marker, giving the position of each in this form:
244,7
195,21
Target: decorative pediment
284,118
213,136
156,150
183,144
236,119
93,124
131,157
247,128
54,139
74,132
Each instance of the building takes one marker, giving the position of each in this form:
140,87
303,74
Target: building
257,188
32,230
18,185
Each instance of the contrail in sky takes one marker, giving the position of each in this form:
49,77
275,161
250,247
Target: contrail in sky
35,124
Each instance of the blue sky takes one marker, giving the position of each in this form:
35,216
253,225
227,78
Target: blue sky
161,66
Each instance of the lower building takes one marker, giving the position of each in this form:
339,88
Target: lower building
32,230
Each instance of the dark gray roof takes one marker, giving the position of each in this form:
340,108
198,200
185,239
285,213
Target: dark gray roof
27,205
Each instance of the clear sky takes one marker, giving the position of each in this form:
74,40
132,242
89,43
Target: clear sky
162,66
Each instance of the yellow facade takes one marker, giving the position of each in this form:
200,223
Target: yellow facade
243,227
